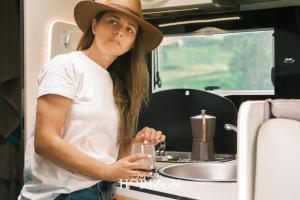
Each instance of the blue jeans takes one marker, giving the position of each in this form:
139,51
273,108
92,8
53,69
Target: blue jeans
100,191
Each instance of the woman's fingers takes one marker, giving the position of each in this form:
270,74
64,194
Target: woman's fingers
150,135
140,166
158,136
136,176
129,166
147,132
138,156
138,173
162,138
153,135
140,136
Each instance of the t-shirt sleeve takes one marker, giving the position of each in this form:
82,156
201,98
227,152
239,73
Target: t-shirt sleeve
60,77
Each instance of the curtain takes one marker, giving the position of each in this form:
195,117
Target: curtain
11,142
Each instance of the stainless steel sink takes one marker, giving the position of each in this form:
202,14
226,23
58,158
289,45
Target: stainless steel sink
204,171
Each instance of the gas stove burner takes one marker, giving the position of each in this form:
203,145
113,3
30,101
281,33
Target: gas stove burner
185,157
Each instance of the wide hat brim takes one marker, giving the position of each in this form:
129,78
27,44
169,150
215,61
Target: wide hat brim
85,12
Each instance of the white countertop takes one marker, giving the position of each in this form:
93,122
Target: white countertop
168,188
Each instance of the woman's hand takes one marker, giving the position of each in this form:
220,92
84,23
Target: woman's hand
150,135
128,169
146,134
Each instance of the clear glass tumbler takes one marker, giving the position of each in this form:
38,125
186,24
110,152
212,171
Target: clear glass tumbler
149,149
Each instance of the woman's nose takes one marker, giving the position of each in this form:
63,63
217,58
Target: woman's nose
119,32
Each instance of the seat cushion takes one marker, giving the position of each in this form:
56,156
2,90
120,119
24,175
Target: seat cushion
286,108
278,165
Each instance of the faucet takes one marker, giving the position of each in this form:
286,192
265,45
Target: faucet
229,127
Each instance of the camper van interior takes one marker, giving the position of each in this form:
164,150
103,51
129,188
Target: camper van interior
224,89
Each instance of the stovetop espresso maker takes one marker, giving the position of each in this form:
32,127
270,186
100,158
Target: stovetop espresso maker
203,128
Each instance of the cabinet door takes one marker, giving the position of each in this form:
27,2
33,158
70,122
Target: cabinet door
121,197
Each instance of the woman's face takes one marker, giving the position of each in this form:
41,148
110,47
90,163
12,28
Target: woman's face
115,33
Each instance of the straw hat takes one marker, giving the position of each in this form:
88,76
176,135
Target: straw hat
85,12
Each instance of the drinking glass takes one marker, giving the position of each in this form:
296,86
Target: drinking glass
142,148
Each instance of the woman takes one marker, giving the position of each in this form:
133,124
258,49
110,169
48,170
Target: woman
88,106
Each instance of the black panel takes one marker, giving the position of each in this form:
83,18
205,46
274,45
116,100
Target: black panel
170,112
287,64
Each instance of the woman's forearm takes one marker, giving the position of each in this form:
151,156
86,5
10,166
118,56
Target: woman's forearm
67,156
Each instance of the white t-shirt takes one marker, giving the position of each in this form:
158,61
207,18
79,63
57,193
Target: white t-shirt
90,126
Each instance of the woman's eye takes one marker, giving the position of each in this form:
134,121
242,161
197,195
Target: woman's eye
129,30
113,22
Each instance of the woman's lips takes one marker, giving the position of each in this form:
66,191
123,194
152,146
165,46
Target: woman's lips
115,41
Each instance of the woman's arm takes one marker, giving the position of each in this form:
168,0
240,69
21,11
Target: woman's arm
50,117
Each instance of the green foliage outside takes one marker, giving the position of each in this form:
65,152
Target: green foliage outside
235,61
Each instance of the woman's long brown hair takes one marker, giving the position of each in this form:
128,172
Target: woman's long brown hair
130,77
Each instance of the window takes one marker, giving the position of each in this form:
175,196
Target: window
233,62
